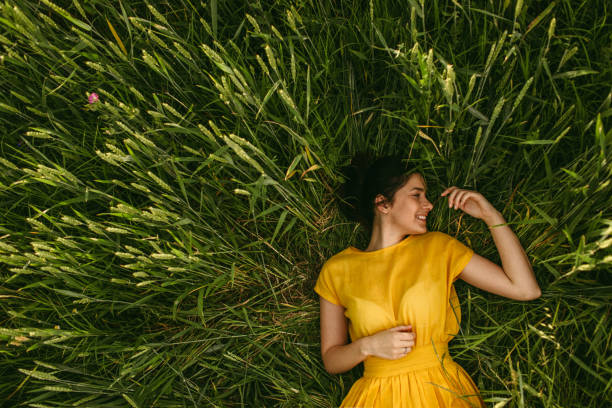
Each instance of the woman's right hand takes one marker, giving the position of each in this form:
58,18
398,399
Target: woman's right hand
392,343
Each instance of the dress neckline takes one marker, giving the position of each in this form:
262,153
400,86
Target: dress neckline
378,251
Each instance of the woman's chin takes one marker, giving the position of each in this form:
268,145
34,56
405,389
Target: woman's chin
419,230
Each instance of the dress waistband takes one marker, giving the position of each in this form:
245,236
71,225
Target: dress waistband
428,355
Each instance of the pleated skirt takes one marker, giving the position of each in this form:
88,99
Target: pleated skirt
426,377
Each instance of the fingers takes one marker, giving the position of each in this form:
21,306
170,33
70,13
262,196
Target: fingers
464,197
403,340
407,342
404,347
406,335
405,332
451,193
402,350
457,196
452,198
448,190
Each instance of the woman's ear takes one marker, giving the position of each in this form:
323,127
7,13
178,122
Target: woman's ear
381,203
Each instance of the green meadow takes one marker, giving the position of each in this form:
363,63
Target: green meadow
169,176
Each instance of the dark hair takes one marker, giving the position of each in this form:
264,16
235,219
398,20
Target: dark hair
365,178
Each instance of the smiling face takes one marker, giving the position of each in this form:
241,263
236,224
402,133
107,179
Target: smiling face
409,208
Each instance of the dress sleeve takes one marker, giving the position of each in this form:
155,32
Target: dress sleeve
458,256
325,286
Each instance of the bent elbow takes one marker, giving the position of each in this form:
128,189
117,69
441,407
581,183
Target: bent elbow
531,295
328,370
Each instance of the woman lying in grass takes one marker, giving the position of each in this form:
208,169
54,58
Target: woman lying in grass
396,298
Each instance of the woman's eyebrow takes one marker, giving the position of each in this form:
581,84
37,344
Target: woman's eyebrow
416,188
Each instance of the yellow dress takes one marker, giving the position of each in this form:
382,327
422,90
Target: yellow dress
410,282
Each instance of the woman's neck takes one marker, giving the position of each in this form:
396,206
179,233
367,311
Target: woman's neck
382,238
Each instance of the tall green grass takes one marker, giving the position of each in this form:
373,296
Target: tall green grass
159,246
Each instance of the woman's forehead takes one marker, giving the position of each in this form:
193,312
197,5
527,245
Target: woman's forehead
416,180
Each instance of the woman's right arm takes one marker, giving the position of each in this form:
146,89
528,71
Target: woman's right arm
337,355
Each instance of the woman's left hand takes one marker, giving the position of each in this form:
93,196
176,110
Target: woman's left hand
471,202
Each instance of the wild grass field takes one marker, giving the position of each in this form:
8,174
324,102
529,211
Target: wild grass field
168,176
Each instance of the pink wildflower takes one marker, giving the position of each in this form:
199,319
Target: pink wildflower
93,98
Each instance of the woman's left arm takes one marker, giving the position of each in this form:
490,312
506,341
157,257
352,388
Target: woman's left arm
515,279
